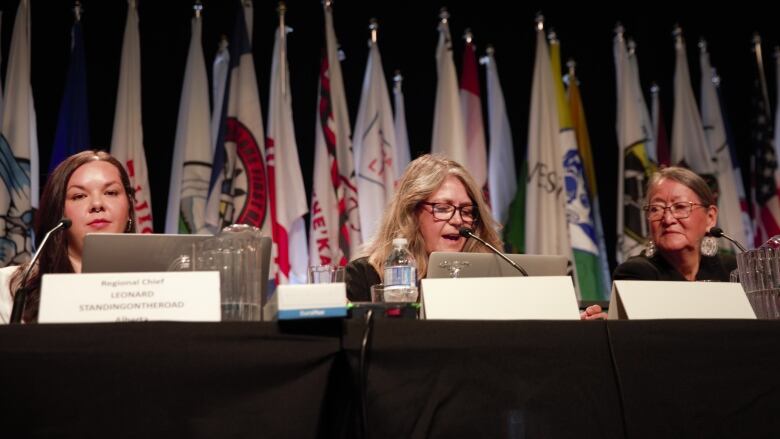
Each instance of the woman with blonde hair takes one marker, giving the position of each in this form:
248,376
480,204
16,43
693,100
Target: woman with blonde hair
435,197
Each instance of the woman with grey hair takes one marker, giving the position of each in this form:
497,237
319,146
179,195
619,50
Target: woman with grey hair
680,211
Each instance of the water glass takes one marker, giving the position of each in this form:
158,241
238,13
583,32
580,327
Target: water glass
325,274
378,293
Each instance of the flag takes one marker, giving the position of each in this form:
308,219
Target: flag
72,133
582,232
546,229
689,144
285,180
502,179
127,139
729,182
586,154
191,168
334,234
402,155
659,127
220,70
19,196
764,172
639,98
238,188
373,145
449,135
471,105
634,166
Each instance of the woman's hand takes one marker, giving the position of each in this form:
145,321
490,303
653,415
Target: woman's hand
593,312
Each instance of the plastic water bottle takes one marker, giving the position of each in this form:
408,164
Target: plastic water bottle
400,274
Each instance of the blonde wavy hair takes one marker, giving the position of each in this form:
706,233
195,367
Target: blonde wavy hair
422,178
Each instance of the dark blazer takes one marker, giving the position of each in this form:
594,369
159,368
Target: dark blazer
716,268
359,276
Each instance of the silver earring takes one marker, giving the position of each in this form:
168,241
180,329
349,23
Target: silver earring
709,246
129,225
650,248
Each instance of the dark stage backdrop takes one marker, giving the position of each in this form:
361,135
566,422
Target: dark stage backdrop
407,40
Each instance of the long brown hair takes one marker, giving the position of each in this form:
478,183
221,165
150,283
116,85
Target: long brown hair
422,178
54,257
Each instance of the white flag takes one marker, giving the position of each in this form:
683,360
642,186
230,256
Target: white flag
288,195
689,144
449,135
634,166
127,143
18,148
238,189
502,178
373,145
335,221
546,230
731,193
402,155
639,98
471,105
191,167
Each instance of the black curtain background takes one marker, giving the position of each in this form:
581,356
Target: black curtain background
407,39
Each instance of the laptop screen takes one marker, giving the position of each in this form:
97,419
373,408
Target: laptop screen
131,252
441,265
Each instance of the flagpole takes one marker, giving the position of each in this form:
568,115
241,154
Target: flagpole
77,10
760,65
282,10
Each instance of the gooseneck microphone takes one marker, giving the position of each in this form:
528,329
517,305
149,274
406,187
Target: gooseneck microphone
467,233
718,233
21,294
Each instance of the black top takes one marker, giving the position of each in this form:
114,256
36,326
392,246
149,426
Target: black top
359,276
640,267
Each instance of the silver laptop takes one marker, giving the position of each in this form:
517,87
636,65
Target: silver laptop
134,252
441,264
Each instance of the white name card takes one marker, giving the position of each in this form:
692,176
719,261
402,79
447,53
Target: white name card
632,299
307,301
500,298
119,297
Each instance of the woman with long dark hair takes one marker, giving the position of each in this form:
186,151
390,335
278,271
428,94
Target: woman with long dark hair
93,190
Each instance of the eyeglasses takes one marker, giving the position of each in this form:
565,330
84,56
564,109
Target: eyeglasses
445,211
679,210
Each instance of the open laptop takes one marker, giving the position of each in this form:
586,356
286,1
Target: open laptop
491,265
134,252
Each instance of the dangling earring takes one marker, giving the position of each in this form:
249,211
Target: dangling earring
129,225
650,248
709,246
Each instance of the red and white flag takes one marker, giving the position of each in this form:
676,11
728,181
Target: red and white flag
288,196
374,144
127,143
334,234
471,105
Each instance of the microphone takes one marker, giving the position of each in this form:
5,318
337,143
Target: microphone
718,233
21,295
467,233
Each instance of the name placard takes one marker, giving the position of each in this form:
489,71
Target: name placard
307,301
123,297
635,299
500,298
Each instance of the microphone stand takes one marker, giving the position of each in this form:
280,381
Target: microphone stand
20,298
467,233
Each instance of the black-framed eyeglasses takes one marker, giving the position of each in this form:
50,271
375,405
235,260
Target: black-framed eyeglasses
445,211
679,210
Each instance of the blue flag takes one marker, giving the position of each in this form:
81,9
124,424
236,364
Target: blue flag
72,133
